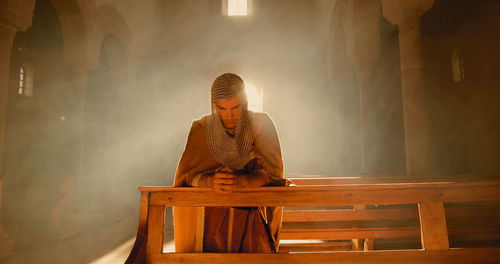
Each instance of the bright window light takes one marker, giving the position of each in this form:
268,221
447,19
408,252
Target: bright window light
255,98
21,81
237,7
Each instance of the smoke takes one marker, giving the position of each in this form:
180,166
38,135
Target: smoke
130,126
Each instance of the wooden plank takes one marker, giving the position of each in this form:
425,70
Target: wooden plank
348,215
480,210
455,256
387,232
138,253
369,244
359,207
156,229
474,231
433,226
349,233
357,244
363,179
349,224
326,195
311,247
230,230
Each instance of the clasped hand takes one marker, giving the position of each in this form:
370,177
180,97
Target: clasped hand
223,180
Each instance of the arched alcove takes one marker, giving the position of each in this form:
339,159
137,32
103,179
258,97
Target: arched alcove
108,21
34,124
39,159
74,28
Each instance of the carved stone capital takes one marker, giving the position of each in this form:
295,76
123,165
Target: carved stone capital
405,14
17,13
362,30
7,34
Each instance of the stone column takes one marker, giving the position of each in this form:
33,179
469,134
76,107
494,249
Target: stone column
362,28
7,34
6,244
79,76
368,116
14,16
406,15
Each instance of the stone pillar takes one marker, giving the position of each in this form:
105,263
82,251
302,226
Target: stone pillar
406,15
362,29
7,35
15,15
9,25
368,116
6,244
79,76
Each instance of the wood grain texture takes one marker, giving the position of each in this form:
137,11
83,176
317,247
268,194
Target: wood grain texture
156,229
455,256
430,197
327,195
138,253
349,233
311,247
357,244
369,244
433,226
348,215
367,179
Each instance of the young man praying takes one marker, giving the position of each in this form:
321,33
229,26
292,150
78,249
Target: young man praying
229,149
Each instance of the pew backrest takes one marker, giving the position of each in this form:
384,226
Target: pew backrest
430,198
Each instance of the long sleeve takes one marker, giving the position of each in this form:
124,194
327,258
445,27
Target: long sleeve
267,148
196,159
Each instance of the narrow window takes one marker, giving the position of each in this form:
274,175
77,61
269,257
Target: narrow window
26,80
457,65
235,7
21,81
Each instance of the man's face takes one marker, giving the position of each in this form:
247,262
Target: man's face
229,110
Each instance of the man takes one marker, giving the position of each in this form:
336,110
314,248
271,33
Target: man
230,149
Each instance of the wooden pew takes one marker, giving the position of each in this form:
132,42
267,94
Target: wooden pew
430,197
360,227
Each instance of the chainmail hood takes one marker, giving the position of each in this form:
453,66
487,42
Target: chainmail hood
233,151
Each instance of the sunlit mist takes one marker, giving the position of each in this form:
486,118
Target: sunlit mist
99,97
255,98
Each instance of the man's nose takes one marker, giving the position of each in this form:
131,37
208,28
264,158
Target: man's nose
234,114
226,114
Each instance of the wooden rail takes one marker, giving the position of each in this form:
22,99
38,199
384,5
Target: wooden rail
430,198
387,227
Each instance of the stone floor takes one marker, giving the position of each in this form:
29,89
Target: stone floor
110,243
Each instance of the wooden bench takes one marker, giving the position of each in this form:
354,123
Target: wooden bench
430,197
360,227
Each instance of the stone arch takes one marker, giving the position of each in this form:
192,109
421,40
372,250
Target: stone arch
73,16
109,21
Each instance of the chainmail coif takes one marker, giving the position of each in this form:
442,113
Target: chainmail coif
233,151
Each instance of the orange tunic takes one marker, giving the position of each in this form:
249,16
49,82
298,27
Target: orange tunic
200,229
